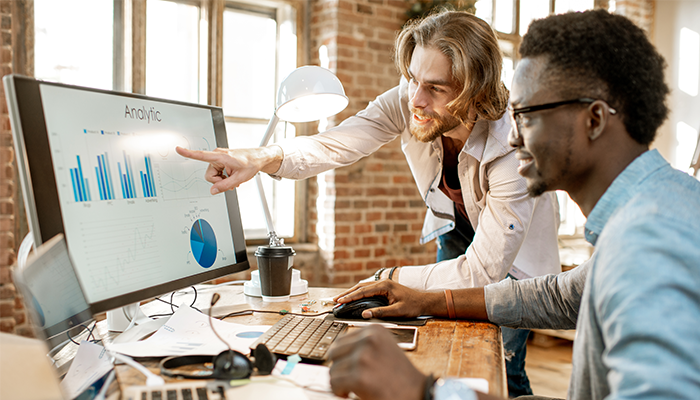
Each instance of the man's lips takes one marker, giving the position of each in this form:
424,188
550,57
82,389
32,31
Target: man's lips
421,119
526,161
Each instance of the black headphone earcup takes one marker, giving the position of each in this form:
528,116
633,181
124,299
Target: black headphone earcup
264,359
231,364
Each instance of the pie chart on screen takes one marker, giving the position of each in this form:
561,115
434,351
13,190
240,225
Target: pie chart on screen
203,243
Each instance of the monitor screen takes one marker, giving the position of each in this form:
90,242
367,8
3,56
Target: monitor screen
101,168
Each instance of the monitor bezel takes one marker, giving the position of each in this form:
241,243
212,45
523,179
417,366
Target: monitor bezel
40,190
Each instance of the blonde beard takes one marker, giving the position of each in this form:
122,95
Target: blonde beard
428,135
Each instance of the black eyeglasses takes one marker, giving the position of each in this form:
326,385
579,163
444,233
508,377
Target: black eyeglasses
515,112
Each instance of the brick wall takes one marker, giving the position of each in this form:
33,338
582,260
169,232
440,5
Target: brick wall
12,317
641,12
368,215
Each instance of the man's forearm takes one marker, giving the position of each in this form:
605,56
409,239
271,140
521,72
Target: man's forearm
468,304
272,157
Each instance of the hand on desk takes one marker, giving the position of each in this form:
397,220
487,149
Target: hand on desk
403,302
371,365
228,168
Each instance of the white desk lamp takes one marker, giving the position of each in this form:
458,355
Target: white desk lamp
309,93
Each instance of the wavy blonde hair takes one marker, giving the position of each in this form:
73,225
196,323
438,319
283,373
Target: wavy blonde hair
472,47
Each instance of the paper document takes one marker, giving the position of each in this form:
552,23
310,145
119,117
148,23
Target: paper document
188,333
313,377
90,364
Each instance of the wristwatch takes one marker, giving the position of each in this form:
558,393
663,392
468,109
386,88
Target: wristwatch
452,389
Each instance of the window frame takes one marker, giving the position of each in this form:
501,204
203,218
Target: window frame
129,64
514,38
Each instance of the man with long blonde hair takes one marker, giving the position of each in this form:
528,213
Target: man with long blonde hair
449,113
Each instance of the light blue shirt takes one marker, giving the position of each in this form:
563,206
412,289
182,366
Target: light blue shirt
638,314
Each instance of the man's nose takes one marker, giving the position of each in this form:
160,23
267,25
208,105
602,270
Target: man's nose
419,98
514,139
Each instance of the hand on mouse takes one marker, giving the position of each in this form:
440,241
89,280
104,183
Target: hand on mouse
403,302
370,364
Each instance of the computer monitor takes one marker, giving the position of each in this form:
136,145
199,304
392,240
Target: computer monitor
101,168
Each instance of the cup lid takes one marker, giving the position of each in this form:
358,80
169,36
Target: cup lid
274,251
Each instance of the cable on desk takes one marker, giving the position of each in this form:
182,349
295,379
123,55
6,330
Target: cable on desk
173,306
90,334
281,312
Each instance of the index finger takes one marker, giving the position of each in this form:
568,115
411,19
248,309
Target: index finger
200,155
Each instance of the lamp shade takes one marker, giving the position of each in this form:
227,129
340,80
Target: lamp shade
310,93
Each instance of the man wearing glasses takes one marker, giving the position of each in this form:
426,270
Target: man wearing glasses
587,99
449,112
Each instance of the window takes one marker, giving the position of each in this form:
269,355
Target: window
61,39
227,53
175,51
510,19
253,67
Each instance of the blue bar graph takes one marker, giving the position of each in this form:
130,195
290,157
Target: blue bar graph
149,188
81,191
127,178
104,181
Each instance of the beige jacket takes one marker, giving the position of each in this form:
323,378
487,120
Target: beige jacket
513,232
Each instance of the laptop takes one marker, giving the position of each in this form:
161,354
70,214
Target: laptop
56,306
52,294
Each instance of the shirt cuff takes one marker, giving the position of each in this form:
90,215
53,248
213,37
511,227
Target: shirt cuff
503,303
291,161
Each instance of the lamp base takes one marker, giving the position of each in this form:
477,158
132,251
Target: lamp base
252,287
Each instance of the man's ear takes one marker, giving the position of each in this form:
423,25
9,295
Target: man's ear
597,119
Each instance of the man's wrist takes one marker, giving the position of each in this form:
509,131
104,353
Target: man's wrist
272,157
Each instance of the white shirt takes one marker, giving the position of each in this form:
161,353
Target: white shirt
514,232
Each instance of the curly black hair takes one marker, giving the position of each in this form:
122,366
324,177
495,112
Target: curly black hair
607,56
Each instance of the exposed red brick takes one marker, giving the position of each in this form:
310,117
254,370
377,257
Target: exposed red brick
7,309
362,253
370,240
362,228
7,325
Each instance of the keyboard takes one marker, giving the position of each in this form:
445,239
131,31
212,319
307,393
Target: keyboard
188,390
308,337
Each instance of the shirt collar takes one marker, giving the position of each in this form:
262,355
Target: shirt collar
621,191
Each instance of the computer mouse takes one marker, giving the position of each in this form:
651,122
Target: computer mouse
354,309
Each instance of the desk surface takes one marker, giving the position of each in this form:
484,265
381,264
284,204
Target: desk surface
444,348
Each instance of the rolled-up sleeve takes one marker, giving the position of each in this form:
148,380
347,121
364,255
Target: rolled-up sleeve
357,137
544,302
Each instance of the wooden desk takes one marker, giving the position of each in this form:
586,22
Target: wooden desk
445,348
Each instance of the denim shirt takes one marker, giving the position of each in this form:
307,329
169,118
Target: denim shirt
636,302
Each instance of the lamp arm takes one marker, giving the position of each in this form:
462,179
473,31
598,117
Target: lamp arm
270,129
274,240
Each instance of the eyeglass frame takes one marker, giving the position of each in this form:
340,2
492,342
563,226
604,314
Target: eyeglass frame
514,112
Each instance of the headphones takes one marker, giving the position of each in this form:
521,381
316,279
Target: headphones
228,365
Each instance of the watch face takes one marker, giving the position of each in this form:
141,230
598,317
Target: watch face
452,389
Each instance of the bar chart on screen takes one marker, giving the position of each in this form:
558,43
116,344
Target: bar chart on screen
103,181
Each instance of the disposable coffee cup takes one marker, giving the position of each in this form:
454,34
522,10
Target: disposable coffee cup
275,270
